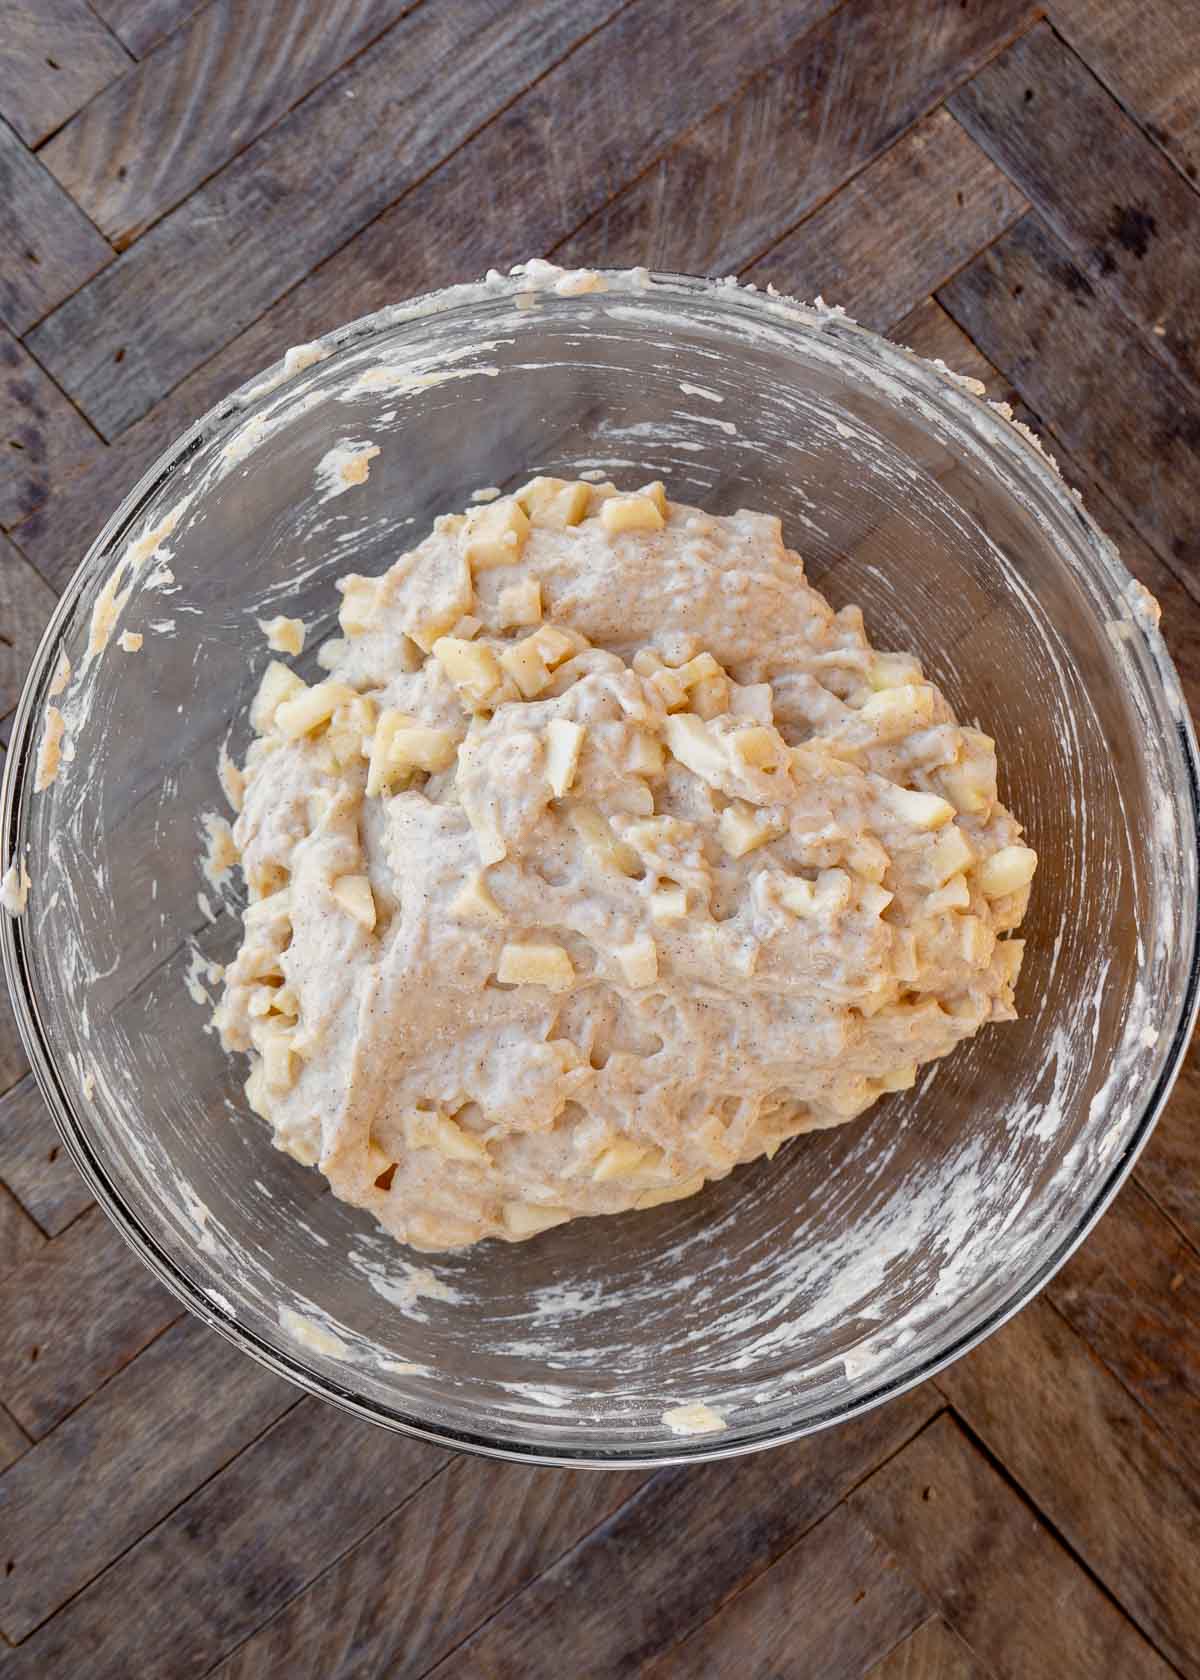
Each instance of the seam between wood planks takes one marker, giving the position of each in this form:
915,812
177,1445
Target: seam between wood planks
979,1443
132,64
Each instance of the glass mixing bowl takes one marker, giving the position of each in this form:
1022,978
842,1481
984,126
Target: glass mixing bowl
798,1292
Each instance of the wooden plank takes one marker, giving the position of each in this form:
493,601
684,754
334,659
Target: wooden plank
481,1530
136,151
997,1574
1169,1168
1145,51
442,227
42,436
797,133
293,197
142,24
50,247
832,1604
901,228
933,1652
118,1465
71,1315
19,1236
1130,220
1127,417
1046,1406
1133,1293
12,1053
737,1517
236,1550
26,602
13,1440
34,1162
54,55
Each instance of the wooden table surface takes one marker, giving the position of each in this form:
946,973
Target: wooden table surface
185,190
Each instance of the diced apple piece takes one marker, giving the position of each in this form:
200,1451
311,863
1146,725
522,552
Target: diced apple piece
693,744
520,603
921,810
646,756
759,747
893,670
620,1159
353,893
284,635
495,534
631,513
594,830
471,666
671,1193
977,941
474,902
899,711
360,597
564,742
740,829
829,893
556,502
1007,871
668,904
697,670
308,711
522,1219
950,854
670,690
873,900
955,895
279,685
866,857
423,1130
901,1078
526,667
656,492
536,964
638,961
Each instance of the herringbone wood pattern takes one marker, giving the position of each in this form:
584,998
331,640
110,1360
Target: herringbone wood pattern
187,188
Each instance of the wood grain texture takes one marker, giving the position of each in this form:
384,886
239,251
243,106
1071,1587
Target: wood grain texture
799,130
898,230
271,1520
293,197
71,1315
54,55
142,24
1067,348
142,1444
42,437
1132,1292
138,150
49,247
1129,219
26,602
13,1440
1169,1170
12,1053
442,227
739,1517
480,1529
1047,1408
838,1592
19,1236
1145,52
933,1652
34,1162
997,1575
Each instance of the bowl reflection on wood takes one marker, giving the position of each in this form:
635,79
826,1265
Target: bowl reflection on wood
796,1292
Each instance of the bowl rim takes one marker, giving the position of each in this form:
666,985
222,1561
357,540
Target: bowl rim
956,395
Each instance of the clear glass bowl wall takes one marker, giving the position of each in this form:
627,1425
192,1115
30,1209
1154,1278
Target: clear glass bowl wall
796,1292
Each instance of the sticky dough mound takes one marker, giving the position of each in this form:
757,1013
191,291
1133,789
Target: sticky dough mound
606,856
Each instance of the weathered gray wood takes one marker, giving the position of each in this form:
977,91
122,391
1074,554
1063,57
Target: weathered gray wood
739,1516
147,1440
1133,1293
481,1530
138,150
42,436
800,130
49,247
1145,51
1046,1406
318,1481
933,1652
897,231
12,1054
26,602
20,1238
1126,416
34,1162
71,1315
443,226
288,201
142,24
997,1575
54,55
837,1598
13,1440
1129,219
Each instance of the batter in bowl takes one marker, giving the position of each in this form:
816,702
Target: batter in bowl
605,857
